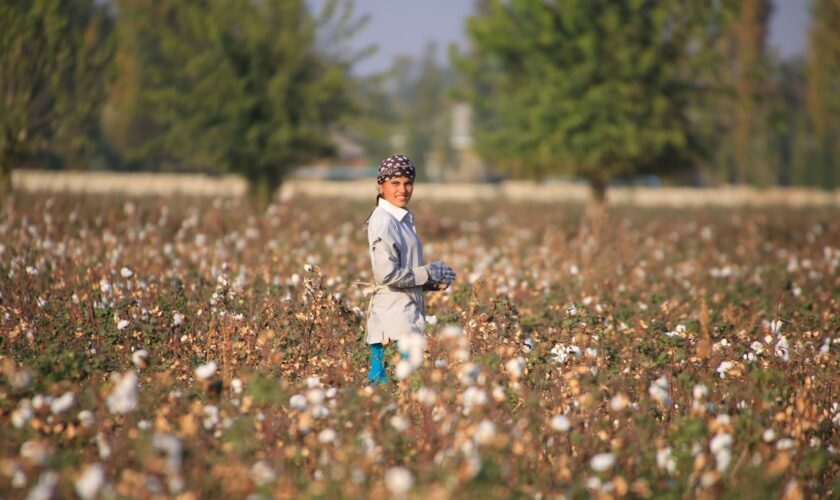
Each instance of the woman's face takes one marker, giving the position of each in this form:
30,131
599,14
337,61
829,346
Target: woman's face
397,190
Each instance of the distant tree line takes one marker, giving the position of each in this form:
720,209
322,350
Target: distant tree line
591,88
603,89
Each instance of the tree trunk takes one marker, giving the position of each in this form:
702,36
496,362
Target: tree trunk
5,180
261,189
599,191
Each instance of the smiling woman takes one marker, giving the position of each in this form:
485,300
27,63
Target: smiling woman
396,310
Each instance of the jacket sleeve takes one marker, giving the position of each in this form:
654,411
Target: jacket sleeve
388,266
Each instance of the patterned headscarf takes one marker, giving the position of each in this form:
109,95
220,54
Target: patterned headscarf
393,166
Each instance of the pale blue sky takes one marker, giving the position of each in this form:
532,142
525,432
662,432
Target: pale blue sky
406,26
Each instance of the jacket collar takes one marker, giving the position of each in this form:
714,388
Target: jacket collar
397,212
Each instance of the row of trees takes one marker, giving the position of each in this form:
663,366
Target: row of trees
593,88
217,85
609,89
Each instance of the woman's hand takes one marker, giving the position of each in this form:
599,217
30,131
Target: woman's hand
441,273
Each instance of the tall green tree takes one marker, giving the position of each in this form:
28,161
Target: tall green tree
231,85
823,71
54,65
592,88
750,70
426,119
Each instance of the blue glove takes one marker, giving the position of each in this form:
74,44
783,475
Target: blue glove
441,273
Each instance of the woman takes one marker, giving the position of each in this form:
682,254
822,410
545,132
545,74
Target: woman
396,306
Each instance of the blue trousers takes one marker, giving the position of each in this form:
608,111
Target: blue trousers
377,364
378,368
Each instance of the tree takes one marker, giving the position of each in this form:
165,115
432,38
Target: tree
230,85
593,88
751,68
823,70
54,61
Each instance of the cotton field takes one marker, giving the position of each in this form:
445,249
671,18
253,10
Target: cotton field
198,348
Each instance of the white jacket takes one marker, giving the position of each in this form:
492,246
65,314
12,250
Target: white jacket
396,255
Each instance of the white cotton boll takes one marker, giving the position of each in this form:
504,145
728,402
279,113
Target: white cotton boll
211,416
398,480
472,397
123,398
122,324
177,319
559,353
782,349
769,435
724,367
461,355
469,374
313,381
172,447
527,345
665,460
723,458
720,442
658,390
403,370
784,444
425,396
320,411
485,431
619,402
18,478
102,447
498,393
45,487
412,346
560,423
22,414
326,436
699,391
431,320
139,358
298,402
90,482
20,379
39,401
515,367
571,311
331,392
126,272
315,396
236,385
602,462
63,403
450,331
206,370
262,474
400,423
35,451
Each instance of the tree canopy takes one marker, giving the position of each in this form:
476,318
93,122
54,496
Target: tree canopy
592,88
230,85
55,60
